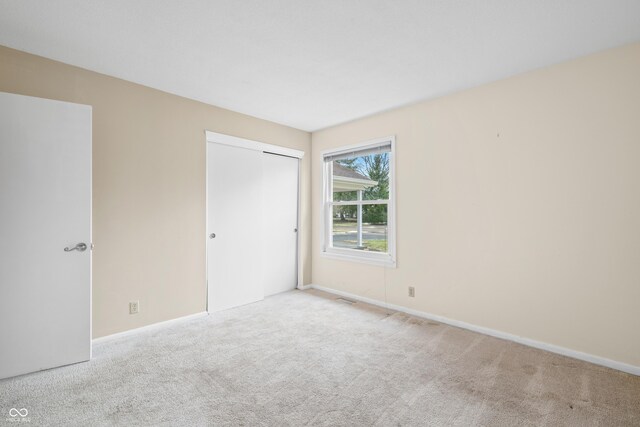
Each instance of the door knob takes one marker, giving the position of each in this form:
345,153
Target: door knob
80,247
212,235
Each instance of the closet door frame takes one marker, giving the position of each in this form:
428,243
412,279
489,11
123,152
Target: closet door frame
234,141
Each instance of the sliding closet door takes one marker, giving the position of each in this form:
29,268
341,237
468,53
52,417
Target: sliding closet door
234,241
280,219
252,217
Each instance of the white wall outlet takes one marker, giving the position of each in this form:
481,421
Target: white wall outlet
412,291
134,307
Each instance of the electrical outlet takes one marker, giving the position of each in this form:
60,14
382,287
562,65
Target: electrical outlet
134,307
412,291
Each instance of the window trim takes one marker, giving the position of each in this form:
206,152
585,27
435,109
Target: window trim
387,259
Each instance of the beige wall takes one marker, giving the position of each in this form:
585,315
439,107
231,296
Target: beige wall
148,186
518,206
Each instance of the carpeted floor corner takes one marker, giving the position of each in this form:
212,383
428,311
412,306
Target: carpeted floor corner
306,358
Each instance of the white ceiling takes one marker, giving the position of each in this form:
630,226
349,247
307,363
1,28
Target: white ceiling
314,64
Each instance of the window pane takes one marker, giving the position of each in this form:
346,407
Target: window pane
366,174
345,214
340,196
373,236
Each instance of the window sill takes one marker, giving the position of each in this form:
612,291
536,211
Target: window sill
381,260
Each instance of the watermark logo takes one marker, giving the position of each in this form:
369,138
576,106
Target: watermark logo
19,415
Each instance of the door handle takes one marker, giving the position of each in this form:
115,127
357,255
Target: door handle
80,247
212,235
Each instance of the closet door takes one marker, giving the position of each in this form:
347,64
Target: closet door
280,219
252,220
235,229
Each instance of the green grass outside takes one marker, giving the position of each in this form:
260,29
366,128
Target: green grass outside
376,245
370,245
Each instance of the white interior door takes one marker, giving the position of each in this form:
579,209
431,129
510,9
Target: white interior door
234,209
45,206
280,223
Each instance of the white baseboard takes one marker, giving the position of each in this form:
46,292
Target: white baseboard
620,366
148,327
304,287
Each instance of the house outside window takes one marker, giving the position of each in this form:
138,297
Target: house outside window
359,202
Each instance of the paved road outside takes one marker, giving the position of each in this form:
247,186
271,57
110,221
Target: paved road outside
345,235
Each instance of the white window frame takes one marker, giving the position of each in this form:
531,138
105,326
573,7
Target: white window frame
387,259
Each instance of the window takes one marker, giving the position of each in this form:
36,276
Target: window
359,211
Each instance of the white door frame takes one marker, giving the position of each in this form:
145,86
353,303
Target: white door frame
234,141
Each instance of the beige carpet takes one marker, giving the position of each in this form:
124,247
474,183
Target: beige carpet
305,358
